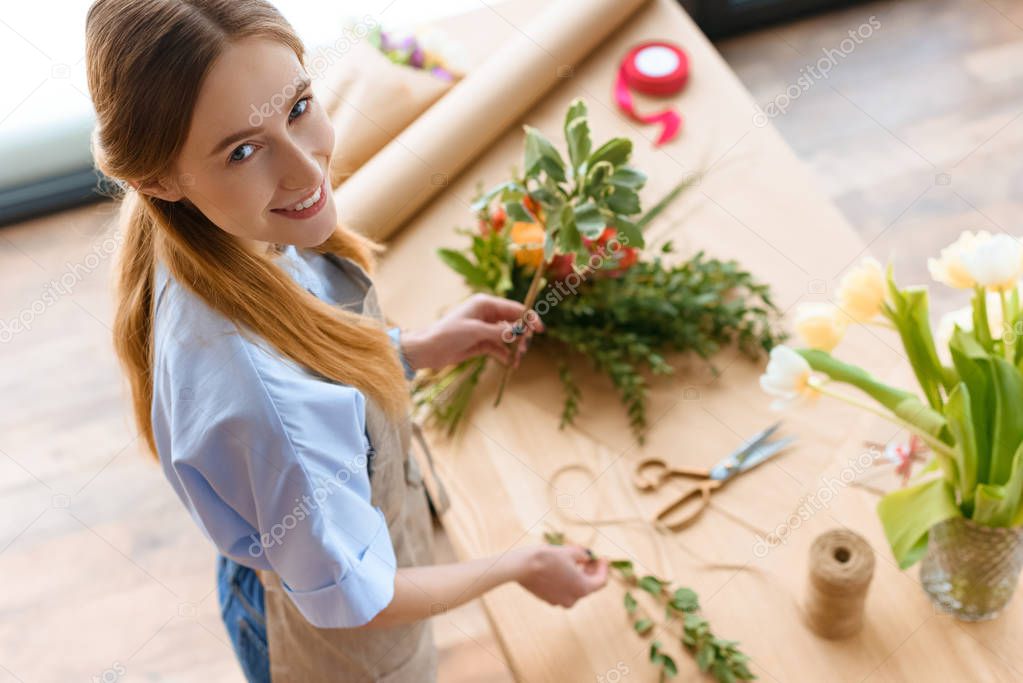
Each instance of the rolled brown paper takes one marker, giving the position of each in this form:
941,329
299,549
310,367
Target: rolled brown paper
841,567
388,189
376,100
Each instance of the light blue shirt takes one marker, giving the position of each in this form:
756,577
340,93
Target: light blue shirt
270,460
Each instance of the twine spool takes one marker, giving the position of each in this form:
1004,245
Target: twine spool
841,566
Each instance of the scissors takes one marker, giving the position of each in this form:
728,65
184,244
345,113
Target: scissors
653,473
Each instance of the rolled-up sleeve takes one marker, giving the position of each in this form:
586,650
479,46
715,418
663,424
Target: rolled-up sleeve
395,334
272,464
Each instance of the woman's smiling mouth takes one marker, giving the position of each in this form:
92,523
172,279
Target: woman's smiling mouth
308,207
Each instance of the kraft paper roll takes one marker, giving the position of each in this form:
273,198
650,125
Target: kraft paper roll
841,567
388,189
376,100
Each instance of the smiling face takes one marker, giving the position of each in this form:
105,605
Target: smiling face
259,145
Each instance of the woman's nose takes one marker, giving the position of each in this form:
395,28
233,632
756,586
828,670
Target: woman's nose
302,170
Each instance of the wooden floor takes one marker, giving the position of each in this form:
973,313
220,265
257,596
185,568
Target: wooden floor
916,134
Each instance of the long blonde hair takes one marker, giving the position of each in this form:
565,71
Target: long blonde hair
146,60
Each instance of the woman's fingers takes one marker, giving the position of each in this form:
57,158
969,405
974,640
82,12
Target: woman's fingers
496,309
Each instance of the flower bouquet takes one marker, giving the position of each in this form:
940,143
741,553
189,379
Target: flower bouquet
962,513
426,49
565,238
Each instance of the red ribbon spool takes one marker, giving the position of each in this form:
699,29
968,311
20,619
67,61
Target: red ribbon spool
654,68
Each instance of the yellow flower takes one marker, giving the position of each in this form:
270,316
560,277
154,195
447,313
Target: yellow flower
821,326
529,237
862,291
949,269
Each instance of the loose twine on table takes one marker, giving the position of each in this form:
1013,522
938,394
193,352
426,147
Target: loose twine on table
841,562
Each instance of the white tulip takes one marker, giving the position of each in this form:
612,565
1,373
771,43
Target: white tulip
948,268
995,263
788,376
963,318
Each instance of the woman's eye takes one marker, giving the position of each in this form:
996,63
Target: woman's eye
301,107
234,158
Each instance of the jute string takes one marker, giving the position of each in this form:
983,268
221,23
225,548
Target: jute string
840,570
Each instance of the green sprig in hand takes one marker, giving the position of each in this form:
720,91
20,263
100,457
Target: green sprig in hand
720,658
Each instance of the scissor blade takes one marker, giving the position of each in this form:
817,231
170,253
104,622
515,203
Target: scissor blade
753,457
736,457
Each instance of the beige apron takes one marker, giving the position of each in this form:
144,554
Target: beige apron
302,652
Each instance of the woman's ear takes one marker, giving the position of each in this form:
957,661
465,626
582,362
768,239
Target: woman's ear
162,188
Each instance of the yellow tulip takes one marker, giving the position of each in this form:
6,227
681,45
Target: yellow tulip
530,238
821,326
862,291
949,269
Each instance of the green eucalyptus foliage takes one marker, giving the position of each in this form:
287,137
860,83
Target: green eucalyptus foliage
716,656
623,320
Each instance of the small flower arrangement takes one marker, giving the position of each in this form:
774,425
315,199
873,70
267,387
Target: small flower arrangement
970,411
565,238
428,50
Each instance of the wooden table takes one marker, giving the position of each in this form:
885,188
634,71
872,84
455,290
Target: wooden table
760,206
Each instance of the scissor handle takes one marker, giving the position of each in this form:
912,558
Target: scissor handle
649,474
701,490
652,473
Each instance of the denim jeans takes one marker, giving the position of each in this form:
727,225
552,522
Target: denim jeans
242,609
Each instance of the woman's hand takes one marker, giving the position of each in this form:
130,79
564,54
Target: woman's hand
561,575
482,324
556,574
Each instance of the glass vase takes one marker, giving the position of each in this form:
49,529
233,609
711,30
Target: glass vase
971,570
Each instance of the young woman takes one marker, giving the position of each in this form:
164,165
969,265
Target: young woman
263,376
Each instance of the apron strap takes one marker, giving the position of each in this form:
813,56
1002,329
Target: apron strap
424,458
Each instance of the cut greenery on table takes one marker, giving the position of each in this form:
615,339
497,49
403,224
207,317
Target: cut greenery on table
564,238
971,411
716,656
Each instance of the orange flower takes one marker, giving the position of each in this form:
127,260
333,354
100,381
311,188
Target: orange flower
529,237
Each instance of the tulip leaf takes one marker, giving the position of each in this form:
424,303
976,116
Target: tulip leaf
961,424
908,311
981,327
908,515
1007,430
999,504
917,413
973,365
888,396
